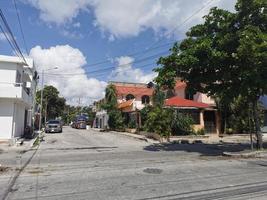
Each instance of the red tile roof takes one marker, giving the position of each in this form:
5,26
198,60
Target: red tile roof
180,102
124,90
125,104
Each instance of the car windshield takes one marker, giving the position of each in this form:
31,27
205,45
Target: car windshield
53,122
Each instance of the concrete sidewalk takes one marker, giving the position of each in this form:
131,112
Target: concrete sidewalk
13,159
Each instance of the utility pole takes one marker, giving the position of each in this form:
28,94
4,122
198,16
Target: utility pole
42,89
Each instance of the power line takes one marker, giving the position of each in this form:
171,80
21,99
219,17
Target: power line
10,37
184,22
21,30
144,51
113,67
131,54
95,75
151,47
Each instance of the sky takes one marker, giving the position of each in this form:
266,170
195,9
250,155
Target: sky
92,42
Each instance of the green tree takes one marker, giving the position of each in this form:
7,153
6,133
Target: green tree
110,98
116,120
53,104
158,96
226,55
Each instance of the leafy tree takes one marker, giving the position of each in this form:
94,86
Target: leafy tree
158,96
144,113
110,98
53,104
226,55
116,120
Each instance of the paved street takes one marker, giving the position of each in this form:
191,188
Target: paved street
86,164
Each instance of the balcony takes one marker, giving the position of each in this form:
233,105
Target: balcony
15,91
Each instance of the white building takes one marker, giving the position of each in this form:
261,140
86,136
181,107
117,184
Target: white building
17,91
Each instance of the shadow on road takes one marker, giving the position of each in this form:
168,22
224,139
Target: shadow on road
203,149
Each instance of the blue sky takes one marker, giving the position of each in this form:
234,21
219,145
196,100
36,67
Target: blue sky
76,34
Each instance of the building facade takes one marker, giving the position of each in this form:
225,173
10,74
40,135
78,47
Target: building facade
17,93
199,106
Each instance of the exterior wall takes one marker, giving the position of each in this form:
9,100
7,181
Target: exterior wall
137,102
180,93
12,116
203,98
199,97
19,119
101,120
7,73
6,119
15,98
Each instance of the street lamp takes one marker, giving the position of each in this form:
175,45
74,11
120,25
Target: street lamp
42,89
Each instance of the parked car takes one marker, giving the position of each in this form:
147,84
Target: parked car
53,126
264,133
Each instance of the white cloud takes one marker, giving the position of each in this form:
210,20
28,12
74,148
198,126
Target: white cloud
69,60
125,72
58,11
126,18
123,18
2,37
77,25
72,34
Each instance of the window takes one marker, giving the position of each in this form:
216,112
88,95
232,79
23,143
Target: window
194,114
145,99
18,79
129,97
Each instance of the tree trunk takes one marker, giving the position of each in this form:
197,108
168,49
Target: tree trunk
257,124
250,129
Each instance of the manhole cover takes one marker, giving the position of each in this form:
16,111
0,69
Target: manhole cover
152,171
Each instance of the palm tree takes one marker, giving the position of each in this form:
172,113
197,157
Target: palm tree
111,96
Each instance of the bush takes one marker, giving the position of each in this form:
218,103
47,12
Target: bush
132,124
115,120
182,124
199,132
159,121
144,113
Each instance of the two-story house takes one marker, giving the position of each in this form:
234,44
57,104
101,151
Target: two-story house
17,92
131,97
199,106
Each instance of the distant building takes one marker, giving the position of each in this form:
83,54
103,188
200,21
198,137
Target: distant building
133,97
17,92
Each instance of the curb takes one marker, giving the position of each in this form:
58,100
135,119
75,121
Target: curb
254,154
137,137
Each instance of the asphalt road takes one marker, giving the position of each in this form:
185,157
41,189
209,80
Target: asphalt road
83,164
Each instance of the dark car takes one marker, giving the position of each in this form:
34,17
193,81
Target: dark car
53,126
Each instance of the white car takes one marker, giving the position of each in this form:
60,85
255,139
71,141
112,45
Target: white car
264,133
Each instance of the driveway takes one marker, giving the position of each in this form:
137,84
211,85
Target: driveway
86,164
